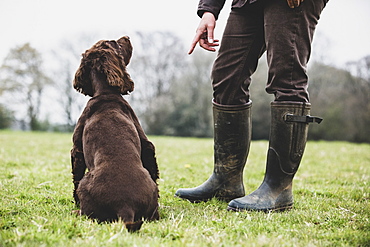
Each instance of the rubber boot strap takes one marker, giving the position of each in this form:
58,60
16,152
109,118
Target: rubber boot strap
302,119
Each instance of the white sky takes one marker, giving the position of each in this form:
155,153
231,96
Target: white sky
343,33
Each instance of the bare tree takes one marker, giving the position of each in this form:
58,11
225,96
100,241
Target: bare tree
157,61
23,82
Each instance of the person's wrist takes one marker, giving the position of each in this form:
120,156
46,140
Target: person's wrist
208,14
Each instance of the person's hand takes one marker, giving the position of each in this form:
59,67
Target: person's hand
204,34
294,3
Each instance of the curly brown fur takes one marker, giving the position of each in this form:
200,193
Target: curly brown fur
109,141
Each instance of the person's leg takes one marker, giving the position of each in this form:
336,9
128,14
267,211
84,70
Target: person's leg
288,34
241,46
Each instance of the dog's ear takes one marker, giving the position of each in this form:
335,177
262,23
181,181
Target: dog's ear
126,48
114,67
81,81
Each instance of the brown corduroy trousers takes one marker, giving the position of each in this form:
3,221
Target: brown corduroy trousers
285,34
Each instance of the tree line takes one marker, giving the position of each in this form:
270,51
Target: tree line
173,91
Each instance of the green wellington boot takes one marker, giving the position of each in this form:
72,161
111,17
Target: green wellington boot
232,137
288,136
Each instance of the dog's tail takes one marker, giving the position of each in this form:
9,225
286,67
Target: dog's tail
133,226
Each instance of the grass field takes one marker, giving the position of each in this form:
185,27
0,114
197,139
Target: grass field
332,198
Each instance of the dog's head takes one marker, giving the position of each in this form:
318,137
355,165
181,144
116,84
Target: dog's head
107,58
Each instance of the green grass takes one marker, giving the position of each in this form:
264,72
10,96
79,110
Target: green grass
331,198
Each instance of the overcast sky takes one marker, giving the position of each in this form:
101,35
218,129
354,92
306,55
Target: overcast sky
343,33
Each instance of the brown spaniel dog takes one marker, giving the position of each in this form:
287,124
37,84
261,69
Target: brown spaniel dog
109,141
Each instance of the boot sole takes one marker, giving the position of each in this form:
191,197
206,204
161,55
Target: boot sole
223,199
192,200
266,210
